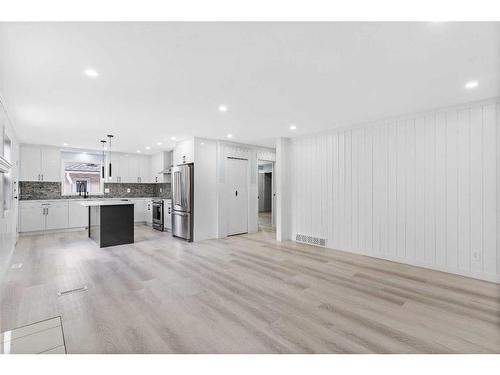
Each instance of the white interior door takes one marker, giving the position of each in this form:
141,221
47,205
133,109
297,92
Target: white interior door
237,181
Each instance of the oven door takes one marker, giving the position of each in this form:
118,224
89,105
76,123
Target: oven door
157,214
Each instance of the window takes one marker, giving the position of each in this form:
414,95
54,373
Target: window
81,173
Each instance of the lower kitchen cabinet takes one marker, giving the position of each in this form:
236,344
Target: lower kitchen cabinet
56,216
31,219
140,209
78,215
38,216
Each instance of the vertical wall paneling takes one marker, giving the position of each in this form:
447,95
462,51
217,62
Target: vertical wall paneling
464,189
410,190
490,188
420,158
429,193
422,189
392,214
475,249
440,178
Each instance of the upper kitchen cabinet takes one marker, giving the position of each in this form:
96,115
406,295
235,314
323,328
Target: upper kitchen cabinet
184,152
145,175
40,163
161,163
127,168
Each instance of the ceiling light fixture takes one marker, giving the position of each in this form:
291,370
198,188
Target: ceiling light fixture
159,143
173,138
293,127
222,108
230,136
103,142
90,73
471,84
110,136
138,151
148,148
65,144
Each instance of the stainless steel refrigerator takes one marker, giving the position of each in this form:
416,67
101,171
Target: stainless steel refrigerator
182,201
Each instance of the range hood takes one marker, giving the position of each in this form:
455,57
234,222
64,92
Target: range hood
5,165
167,170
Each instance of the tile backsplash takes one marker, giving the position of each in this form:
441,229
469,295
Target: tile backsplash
34,190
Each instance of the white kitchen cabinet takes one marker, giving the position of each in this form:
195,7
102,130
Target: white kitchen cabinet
134,168
46,215
31,219
140,209
56,216
78,215
145,169
119,167
184,152
50,164
30,163
160,162
40,163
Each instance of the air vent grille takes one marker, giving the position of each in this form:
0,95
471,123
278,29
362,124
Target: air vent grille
316,241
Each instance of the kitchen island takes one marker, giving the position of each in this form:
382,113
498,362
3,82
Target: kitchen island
111,223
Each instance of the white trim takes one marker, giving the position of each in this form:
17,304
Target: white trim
5,166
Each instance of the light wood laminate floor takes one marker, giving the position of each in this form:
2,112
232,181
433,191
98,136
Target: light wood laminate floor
243,294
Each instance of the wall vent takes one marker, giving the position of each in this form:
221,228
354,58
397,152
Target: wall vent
310,240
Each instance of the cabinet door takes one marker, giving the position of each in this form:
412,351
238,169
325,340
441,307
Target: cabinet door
145,169
115,167
31,219
124,168
57,217
139,210
78,216
51,164
30,163
133,168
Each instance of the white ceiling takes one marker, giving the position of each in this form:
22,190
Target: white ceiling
158,80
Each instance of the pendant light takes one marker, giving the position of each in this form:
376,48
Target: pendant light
110,136
103,159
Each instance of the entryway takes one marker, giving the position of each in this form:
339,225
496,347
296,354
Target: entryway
266,195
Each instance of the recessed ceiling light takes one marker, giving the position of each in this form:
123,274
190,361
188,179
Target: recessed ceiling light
471,84
65,144
230,136
159,143
138,151
90,73
222,108
173,138
293,127
148,148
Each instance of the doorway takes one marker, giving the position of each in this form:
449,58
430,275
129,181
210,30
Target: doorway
237,181
266,195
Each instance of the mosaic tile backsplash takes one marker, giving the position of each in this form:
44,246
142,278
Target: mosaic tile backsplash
31,190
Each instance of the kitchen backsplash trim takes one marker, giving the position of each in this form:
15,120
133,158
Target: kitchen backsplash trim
35,190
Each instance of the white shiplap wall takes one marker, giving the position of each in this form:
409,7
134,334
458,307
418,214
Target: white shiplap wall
422,189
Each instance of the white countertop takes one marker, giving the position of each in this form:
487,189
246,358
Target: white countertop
76,200
89,203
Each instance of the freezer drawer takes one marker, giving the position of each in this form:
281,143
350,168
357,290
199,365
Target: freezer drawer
182,225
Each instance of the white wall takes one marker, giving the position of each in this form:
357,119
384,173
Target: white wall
422,189
8,219
205,189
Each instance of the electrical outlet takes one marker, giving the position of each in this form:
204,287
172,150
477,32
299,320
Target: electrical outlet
128,190
161,190
106,190
476,255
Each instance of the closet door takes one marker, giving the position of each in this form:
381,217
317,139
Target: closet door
237,182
